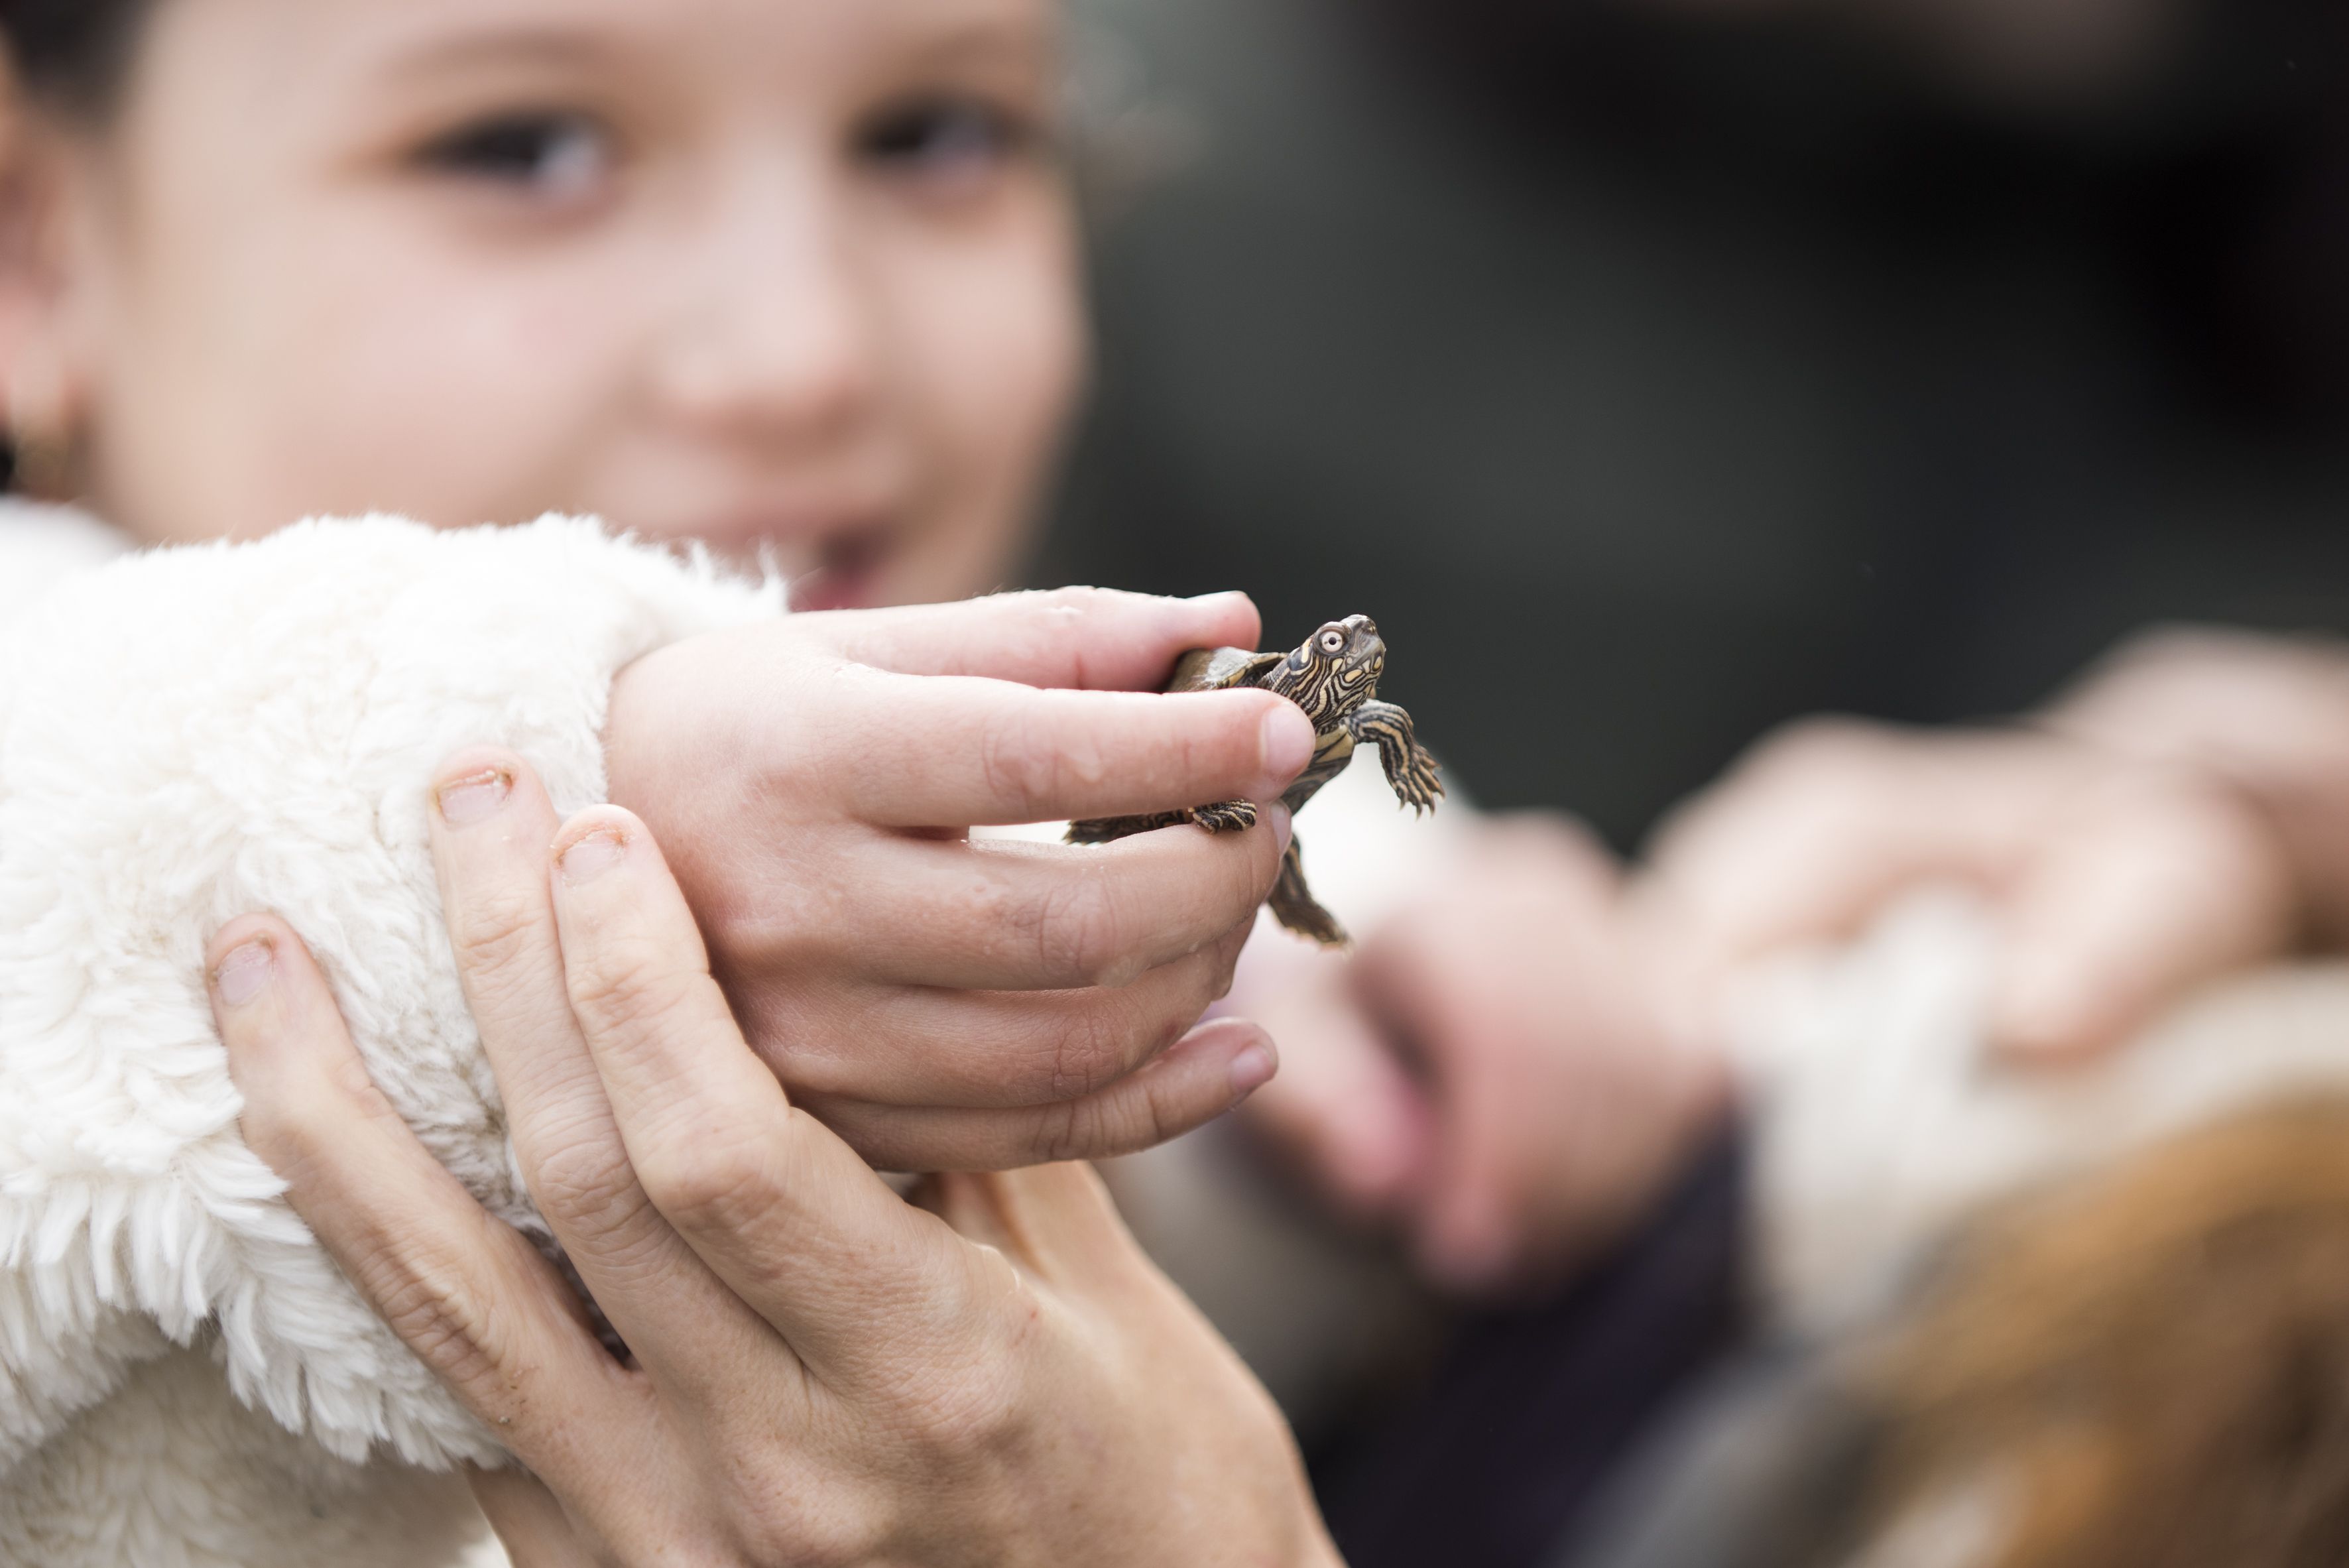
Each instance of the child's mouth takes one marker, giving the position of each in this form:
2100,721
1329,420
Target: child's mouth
846,574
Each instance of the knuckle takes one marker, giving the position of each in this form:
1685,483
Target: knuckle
1103,1125
1073,602
493,930
581,1185
1158,1117
1011,764
1062,1132
444,1323
623,986
972,1406
1077,929
974,1413
708,1184
301,1128
1089,1051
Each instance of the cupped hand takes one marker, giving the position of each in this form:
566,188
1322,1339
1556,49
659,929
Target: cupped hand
943,1003
2120,882
1493,1072
818,1371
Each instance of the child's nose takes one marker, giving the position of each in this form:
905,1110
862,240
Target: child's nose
776,337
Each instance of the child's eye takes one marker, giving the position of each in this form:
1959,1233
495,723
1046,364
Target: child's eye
552,155
944,137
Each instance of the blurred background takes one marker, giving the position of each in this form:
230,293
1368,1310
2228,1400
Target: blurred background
1658,370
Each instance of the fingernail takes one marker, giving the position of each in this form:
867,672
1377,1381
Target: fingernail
474,797
1288,741
592,854
1221,595
1252,1069
1284,828
245,973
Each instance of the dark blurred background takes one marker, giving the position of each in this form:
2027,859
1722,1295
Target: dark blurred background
1655,375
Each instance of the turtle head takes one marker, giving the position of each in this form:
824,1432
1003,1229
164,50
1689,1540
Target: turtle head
1334,670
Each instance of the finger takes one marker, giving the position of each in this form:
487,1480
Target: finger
1468,1198
2151,894
1088,638
491,824
1208,1072
925,1046
1806,842
471,1297
1002,914
1344,1109
956,751
795,1223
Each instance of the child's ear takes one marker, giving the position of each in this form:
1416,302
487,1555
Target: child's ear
44,363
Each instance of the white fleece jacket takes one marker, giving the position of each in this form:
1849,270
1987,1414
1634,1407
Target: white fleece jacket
188,735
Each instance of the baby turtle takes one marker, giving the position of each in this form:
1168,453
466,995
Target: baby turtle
1334,678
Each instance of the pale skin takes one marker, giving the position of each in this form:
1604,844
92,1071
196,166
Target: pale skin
996,1376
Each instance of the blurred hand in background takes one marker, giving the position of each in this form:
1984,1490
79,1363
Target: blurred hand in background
1515,1063
2182,813
1493,1072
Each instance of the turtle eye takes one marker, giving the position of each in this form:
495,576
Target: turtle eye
1333,642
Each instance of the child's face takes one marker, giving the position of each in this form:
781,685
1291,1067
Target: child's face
797,271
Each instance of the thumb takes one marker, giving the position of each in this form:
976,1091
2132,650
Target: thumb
2154,889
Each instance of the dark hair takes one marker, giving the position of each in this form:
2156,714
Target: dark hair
72,53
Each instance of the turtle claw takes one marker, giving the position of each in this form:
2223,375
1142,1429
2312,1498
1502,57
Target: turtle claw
1225,816
1417,784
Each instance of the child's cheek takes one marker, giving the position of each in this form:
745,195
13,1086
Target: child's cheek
1002,359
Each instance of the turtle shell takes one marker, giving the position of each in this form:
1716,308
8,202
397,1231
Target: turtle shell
1216,669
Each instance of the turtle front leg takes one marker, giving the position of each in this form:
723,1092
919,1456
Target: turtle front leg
1410,772
1224,816
1295,907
